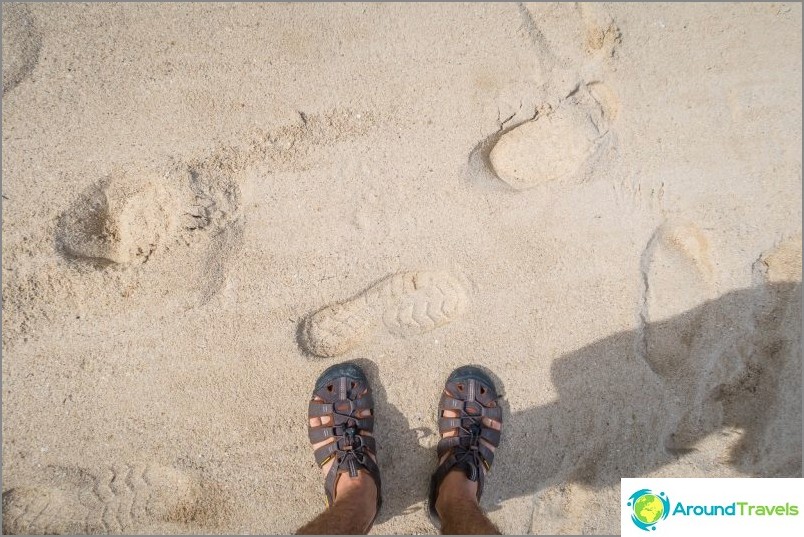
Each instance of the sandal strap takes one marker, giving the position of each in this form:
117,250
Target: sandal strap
449,443
319,434
492,436
364,424
448,424
329,484
318,410
446,444
487,454
451,403
493,413
324,453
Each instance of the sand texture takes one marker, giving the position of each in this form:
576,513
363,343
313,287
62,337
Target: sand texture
206,205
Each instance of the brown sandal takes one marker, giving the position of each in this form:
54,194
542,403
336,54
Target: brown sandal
345,393
474,397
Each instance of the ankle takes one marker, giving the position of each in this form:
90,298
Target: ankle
358,495
361,486
455,489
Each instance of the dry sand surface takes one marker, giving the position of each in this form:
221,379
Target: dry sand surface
204,206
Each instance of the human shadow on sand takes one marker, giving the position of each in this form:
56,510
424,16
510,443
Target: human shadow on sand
636,401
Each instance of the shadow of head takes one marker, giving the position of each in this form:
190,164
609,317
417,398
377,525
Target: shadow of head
730,363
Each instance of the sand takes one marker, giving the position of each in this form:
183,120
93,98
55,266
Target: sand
204,206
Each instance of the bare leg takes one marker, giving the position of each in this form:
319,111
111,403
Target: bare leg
352,512
458,508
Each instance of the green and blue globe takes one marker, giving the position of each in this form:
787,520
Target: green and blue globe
648,508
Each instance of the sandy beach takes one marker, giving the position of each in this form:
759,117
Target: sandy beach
206,205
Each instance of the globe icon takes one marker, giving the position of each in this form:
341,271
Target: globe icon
648,508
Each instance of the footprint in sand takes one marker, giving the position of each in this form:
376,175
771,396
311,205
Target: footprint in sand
555,145
675,335
191,212
406,304
121,219
558,131
210,223
749,369
124,217
21,44
122,499
677,275
208,198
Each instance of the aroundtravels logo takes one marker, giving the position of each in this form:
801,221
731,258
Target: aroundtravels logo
711,506
648,508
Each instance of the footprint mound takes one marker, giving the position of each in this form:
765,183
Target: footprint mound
120,499
119,220
783,262
555,145
406,304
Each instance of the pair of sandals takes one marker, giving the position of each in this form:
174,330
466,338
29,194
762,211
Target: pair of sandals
342,394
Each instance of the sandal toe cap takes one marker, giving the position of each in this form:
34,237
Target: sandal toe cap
337,371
